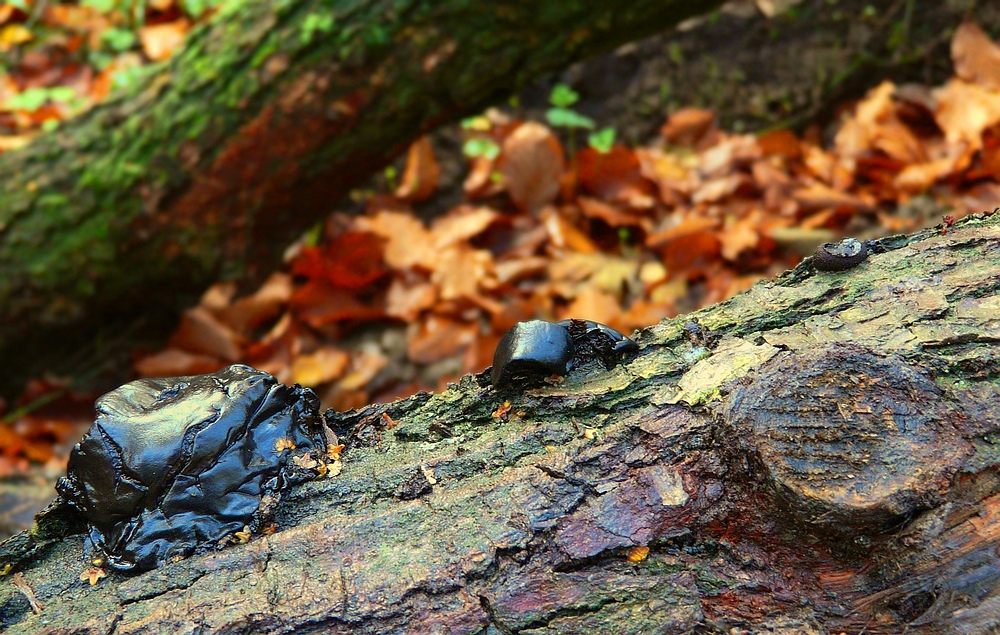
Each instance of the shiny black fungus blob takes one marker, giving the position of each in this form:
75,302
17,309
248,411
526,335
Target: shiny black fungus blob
841,256
532,351
173,464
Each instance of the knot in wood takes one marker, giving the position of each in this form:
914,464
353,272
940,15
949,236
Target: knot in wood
847,440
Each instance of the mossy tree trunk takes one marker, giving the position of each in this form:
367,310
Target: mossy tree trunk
210,164
821,455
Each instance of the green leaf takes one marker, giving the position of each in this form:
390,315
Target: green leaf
602,140
30,100
563,96
101,6
481,148
565,118
50,124
118,39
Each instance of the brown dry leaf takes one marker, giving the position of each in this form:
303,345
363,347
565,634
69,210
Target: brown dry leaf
594,304
965,110
731,152
564,234
782,143
407,301
480,182
174,362
326,364
687,126
159,40
719,188
739,235
93,575
975,56
918,177
319,303
532,162
459,271
408,242
614,176
520,268
461,224
422,172
682,225
673,173
438,338
365,365
267,303
201,332
819,196
613,216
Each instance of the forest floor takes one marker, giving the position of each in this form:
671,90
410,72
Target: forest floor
410,284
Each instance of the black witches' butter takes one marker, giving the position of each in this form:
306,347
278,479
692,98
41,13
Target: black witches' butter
171,465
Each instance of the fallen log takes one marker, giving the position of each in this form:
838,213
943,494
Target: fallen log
818,454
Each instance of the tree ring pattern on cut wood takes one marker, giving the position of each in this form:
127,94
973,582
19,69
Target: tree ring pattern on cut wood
848,440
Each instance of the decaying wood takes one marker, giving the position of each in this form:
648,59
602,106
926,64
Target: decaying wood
822,459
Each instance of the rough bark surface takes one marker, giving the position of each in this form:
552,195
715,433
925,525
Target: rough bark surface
210,164
817,455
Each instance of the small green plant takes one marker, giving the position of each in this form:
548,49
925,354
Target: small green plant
480,147
602,140
562,116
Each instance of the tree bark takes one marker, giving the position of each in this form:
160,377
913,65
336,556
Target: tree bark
818,454
209,165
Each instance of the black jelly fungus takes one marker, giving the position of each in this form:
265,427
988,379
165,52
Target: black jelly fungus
841,256
173,464
531,351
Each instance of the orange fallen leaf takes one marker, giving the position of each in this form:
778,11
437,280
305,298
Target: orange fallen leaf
201,332
975,56
614,176
160,40
421,174
93,575
638,554
326,364
687,126
531,163
438,338
173,362
407,300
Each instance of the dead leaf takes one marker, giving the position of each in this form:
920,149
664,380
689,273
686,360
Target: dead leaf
614,176
364,367
739,235
408,242
93,575
160,40
975,56
319,303
565,235
173,362
459,271
407,301
531,163
326,364
264,305
201,332
420,177
610,214
438,338
461,224
687,126
965,110
351,260
594,304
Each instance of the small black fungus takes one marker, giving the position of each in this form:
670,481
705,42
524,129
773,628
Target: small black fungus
841,256
532,351
173,464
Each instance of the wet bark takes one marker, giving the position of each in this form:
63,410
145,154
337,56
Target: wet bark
818,454
209,165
